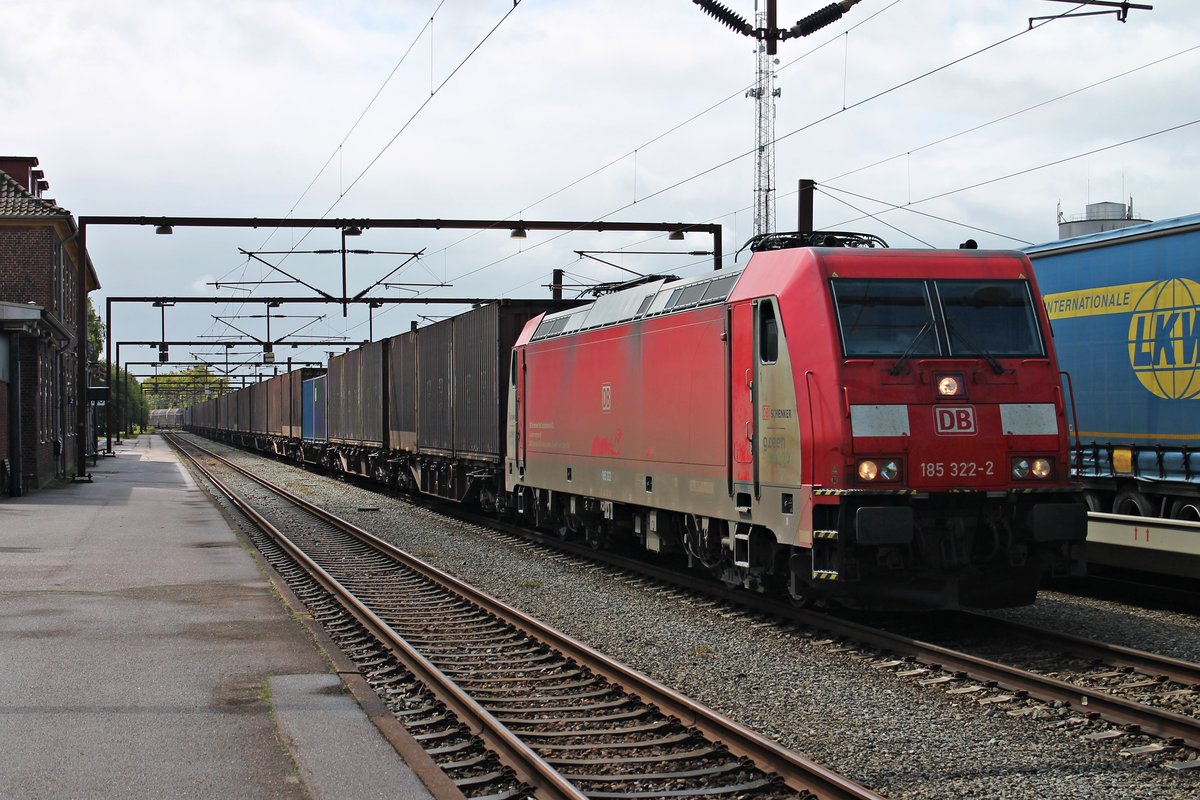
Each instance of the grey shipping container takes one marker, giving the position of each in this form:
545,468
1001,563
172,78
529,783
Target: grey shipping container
277,389
355,396
463,365
435,402
245,410
402,391
223,420
258,407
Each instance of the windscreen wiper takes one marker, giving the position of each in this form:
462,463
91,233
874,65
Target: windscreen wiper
908,351
992,361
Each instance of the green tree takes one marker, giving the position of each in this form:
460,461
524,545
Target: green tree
95,332
125,393
182,388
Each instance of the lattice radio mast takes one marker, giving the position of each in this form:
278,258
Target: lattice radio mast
764,92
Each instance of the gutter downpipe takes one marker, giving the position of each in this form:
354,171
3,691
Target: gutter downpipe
81,357
16,483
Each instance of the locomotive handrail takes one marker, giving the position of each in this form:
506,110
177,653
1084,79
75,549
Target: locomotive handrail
1074,419
812,429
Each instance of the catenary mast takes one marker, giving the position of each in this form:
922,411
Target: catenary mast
768,35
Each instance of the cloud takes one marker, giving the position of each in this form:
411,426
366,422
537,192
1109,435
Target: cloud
197,108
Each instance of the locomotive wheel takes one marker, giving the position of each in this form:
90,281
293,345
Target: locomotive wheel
799,564
800,600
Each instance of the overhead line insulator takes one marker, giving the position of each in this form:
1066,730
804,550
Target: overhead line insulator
726,16
819,19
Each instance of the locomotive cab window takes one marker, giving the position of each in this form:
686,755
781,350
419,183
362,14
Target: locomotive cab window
937,318
768,333
989,318
882,317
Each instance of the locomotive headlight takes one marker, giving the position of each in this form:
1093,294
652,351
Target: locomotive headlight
869,470
1032,468
949,386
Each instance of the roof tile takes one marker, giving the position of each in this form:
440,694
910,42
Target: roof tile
15,201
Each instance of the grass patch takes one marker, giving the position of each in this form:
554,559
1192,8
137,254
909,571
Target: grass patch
703,651
530,584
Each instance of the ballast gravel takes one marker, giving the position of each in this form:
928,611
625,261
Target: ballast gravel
822,698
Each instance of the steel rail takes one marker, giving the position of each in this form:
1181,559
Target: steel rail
1172,669
514,753
798,772
1116,710
1127,713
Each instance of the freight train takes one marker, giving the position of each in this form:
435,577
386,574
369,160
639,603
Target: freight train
847,423
1125,308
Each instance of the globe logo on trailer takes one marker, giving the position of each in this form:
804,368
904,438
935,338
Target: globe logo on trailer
1164,339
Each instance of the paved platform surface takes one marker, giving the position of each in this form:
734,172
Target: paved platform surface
143,654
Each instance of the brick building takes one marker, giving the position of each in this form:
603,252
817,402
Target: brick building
40,270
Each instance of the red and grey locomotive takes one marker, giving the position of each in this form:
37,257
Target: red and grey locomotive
876,427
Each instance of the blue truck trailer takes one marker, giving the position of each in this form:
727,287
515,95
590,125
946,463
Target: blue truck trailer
1124,306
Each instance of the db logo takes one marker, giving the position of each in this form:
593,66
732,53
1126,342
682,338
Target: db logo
954,421
606,397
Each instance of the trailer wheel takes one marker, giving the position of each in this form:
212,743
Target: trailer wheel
1131,503
1094,501
1186,508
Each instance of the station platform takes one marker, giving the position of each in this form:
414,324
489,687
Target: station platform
145,652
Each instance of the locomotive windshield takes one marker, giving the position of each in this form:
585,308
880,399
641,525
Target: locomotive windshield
946,318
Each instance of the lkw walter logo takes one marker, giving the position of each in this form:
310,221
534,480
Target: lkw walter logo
1164,339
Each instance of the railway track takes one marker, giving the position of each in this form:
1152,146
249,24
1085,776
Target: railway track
1136,692
507,706
1133,690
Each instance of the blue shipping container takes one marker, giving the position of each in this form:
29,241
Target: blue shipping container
312,425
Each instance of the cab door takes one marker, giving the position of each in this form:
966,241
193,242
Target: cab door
514,450
742,401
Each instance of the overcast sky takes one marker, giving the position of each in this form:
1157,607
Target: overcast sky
568,110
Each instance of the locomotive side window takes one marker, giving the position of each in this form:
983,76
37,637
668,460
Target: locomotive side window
768,333
881,317
720,288
543,329
989,318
